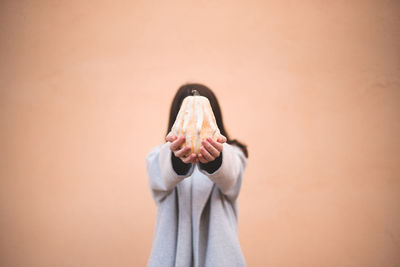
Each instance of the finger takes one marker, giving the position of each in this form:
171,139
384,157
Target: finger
215,144
182,152
222,139
189,158
175,145
206,154
211,149
169,137
202,159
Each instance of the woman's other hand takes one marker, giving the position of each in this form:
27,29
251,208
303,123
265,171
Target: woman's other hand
211,149
183,153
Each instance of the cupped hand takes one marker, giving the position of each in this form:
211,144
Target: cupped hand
183,153
211,149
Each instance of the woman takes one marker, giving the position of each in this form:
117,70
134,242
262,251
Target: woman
196,195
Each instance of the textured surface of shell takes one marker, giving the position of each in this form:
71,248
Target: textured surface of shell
195,121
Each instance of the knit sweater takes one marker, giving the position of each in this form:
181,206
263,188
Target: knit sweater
197,210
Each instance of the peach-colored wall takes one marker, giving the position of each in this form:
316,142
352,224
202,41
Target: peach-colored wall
313,88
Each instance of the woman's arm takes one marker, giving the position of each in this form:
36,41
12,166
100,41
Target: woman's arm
162,176
228,177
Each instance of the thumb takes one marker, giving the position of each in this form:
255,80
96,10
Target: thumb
222,139
170,137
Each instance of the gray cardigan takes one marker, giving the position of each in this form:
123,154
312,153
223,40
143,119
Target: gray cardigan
197,213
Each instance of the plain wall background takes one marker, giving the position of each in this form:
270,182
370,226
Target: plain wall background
312,87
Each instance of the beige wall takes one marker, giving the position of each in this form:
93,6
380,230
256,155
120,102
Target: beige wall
313,88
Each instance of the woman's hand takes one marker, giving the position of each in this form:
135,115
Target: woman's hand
183,153
211,149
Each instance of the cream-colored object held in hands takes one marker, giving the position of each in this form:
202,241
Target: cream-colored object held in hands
195,121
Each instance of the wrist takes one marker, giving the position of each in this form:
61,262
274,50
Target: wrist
212,166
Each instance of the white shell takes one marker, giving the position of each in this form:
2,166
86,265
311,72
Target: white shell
195,121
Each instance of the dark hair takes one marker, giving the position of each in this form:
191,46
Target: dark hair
186,90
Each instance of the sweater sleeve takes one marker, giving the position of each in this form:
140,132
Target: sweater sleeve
212,166
228,177
179,166
162,176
